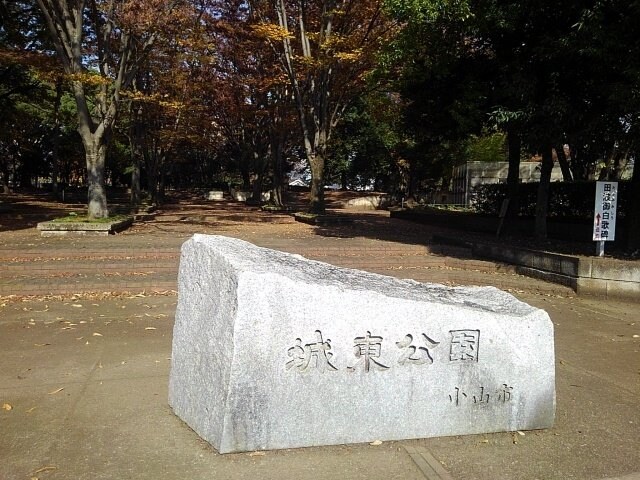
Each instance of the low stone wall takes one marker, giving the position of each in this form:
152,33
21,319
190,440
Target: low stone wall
586,275
50,229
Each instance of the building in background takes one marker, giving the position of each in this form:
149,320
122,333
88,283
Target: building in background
472,174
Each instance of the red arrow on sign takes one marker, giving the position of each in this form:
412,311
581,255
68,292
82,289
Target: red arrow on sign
597,220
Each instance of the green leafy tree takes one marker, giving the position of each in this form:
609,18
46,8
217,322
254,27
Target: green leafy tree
545,73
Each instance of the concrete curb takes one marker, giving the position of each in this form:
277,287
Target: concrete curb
605,277
83,228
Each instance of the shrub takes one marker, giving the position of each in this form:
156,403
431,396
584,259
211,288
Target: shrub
566,199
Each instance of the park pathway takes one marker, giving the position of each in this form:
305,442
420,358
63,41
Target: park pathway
145,258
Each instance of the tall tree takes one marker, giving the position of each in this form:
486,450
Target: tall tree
325,47
25,71
101,44
559,73
241,92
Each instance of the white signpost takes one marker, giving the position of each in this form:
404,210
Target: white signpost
604,216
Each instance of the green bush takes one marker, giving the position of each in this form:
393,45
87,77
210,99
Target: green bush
566,199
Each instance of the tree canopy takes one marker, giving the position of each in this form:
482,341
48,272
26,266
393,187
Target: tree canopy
384,93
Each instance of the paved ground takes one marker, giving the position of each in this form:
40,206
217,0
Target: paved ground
145,257
83,378
86,379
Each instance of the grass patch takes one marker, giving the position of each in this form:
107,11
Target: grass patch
75,218
322,219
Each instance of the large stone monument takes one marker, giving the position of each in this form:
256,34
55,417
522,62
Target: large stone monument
271,350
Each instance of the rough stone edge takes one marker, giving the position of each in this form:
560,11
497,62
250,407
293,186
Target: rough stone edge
224,443
215,441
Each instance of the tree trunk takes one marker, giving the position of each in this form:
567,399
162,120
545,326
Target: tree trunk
316,194
55,147
162,184
256,193
246,179
136,144
567,176
152,177
633,213
403,168
513,176
621,164
97,192
276,191
135,183
4,182
161,176
344,181
542,205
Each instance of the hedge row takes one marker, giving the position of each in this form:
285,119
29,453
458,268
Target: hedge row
566,199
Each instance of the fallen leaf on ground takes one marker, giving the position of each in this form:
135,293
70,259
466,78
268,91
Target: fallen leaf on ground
257,454
7,406
375,443
48,468
150,328
96,334
520,433
41,344
31,409
56,391
76,305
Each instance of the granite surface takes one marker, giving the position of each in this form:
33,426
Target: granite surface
271,350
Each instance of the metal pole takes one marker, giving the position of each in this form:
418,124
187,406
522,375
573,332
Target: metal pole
600,248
